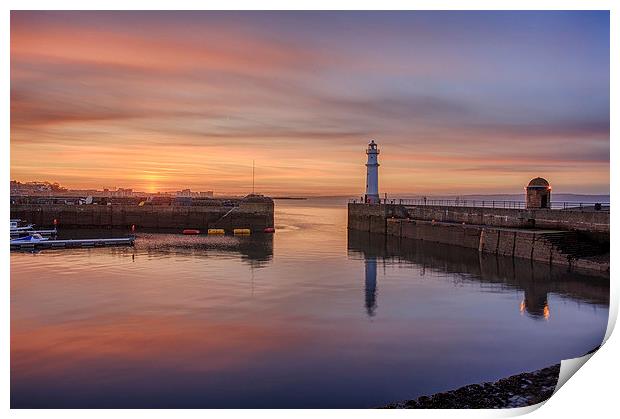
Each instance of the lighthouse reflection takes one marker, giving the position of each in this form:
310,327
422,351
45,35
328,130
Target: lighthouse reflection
536,281
370,265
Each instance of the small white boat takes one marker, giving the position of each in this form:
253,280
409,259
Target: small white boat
15,227
32,238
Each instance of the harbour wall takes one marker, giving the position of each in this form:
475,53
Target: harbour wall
253,215
587,221
564,241
574,220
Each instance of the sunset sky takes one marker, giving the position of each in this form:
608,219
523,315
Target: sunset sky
459,102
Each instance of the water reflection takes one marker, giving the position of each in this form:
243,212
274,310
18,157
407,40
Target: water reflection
256,249
370,266
536,280
209,322
535,300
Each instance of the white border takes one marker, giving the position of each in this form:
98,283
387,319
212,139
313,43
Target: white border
592,393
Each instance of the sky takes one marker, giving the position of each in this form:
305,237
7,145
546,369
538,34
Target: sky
459,102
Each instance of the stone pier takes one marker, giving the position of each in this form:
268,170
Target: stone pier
577,239
255,216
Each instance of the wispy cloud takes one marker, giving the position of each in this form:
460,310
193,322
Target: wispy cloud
165,100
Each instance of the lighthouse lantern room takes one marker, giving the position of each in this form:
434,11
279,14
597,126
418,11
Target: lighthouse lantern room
372,174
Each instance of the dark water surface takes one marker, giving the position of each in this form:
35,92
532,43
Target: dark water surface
309,317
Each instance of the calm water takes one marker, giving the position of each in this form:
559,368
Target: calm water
309,317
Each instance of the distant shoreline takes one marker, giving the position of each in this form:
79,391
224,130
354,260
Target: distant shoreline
289,197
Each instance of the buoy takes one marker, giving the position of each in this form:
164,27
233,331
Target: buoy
241,231
269,230
215,231
191,231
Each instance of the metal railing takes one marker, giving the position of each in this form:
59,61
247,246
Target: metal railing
482,203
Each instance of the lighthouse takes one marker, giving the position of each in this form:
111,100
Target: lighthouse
372,174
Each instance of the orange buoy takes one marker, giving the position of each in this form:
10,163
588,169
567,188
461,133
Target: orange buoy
191,231
269,230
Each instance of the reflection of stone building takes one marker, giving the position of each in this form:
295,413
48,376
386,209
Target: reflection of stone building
538,194
535,300
371,285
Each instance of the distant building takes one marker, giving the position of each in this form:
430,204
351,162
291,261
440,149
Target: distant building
36,188
123,192
187,193
14,187
538,194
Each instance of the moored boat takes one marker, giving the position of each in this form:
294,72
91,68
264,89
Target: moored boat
32,238
16,227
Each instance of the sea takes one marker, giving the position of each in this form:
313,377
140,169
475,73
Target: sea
313,316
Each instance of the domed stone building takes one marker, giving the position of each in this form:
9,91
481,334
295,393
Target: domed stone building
538,194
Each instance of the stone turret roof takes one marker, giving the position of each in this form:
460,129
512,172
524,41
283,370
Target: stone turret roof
538,182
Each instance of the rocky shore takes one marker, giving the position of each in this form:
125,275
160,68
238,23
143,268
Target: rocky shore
516,391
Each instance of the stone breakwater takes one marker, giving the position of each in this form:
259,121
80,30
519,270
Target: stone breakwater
518,390
576,239
255,216
550,219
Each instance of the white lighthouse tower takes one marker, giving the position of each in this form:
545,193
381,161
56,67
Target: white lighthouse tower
372,174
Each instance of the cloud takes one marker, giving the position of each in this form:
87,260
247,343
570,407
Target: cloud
300,93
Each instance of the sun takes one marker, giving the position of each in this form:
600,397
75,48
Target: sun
151,180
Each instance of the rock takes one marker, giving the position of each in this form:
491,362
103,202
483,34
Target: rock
516,391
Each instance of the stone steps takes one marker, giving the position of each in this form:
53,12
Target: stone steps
575,245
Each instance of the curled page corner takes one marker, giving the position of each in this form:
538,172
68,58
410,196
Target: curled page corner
520,411
613,315
568,367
